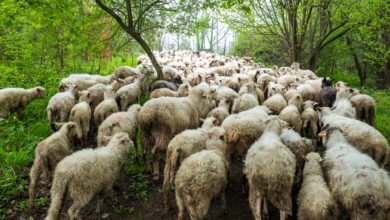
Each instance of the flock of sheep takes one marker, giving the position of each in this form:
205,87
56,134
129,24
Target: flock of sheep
206,111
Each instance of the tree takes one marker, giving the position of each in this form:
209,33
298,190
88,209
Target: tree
136,18
303,27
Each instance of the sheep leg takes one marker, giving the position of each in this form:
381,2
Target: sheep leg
255,203
180,205
283,215
75,208
223,200
156,168
34,176
265,209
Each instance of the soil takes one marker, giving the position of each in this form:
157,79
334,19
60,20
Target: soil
152,207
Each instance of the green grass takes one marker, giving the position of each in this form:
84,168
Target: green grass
20,133
381,96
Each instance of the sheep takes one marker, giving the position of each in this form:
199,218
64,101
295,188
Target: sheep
201,177
341,85
275,103
254,89
49,153
270,169
309,119
84,81
291,113
314,199
274,88
120,122
227,93
243,129
316,84
169,73
356,181
303,73
290,93
81,115
365,108
96,92
287,80
221,112
164,84
16,99
327,95
87,173
263,81
343,105
307,92
195,79
162,118
246,100
182,91
105,108
361,135
60,105
182,146
126,71
298,145
129,94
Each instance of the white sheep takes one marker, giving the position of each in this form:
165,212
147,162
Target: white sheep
248,98
361,135
129,94
314,199
243,129
60,105
307,92
202,177
298,145
86,173
105,108
356,181
309,119
291,113
49,153
365,107
182,146
120,122
81,114
126,71
162,118
16,99
343,105
275,103
270,170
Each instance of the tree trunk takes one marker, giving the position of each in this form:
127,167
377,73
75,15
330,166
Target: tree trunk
360,70
150,54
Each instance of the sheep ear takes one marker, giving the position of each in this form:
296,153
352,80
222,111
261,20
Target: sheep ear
216,121
274,88
239,79
201,120
72,125
222,137
89,95
321,160
323,134
304,158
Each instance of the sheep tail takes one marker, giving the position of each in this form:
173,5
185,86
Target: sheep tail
35,173
60,183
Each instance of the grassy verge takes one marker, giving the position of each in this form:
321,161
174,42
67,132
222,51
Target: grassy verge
20,133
